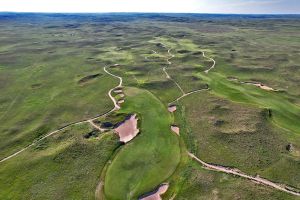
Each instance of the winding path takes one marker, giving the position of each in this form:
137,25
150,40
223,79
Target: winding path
167,74
116,107
189,93
236,172
219,168
184,94
211,59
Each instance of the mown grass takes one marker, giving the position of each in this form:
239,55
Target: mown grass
150,158
63,166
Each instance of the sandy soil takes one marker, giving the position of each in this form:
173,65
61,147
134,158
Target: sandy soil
175,129
128,129
264,87
172,108
121,101
156,194
96,126
118,91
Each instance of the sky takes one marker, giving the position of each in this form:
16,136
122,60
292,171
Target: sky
172,6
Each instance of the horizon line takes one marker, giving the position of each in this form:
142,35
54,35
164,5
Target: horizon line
43,12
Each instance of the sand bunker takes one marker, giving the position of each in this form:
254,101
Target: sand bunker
118,91
260,85
156,194
128,129
172,108
264,87
175,129
121,101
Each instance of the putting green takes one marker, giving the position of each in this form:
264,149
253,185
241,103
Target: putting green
151,157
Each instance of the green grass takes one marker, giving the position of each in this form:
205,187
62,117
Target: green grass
203,184
150,158
285,113
42,58
63,166
34,112
243,138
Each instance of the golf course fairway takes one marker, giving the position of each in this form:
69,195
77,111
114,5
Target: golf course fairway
150,158
284,113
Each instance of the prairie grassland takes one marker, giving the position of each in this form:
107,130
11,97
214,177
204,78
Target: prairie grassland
51,74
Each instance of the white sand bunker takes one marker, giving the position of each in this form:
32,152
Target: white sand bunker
156,194
175,129
260,85
118,91
264,87
172,108
128,129
121,101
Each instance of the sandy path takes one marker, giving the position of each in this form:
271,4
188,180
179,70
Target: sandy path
241,174
211,59
165,69
99,191
116,107
96,126
169,77
227,170
187,94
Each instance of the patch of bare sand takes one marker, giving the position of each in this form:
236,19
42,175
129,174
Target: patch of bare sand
172,108
128,129
121,101
156,195
261,86
175,129
264,87
118,91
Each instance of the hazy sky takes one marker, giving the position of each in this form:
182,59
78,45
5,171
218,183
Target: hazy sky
191,6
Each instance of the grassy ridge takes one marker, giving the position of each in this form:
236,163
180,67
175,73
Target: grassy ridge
285,113
151,157
240,136
57,100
